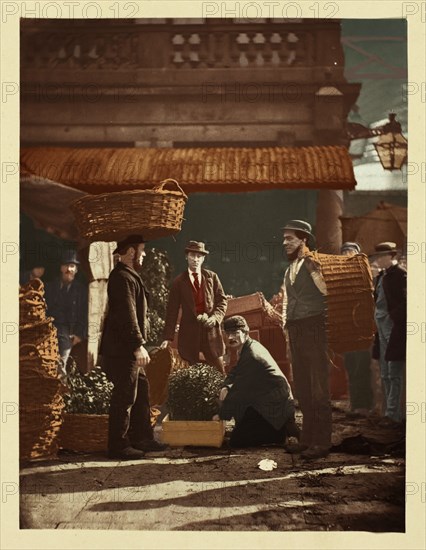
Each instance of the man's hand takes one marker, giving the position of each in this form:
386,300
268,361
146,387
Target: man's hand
164,344
142,357
75,339
216,417
210,322
223,393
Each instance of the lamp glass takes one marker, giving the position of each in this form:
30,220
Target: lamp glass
392,150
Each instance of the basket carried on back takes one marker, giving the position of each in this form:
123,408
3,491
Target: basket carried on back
350,302
154,213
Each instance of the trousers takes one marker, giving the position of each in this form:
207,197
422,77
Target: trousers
392,373
253,430
129,411
357,364
308,346
210,359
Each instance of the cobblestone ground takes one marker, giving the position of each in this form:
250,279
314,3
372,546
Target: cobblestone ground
358,487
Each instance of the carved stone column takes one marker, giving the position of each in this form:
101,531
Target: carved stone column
328,226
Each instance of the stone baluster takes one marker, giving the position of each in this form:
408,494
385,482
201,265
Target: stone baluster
251,50
194,42
186,51
177,44
276,41
259,44
243,42
234,48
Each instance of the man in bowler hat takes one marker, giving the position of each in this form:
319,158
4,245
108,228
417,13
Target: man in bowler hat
255,393
389,348
124,355
199,294
304,306
67,303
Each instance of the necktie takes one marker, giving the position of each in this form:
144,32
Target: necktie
196,282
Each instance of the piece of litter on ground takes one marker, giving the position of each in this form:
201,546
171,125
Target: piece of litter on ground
267,464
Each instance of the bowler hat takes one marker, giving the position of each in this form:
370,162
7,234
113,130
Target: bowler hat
350,246
385,248
236,322
299,225
130,240
69,256
196,246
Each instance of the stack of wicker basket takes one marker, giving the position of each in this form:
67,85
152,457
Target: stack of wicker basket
350,302
40,391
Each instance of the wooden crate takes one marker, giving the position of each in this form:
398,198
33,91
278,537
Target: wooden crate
178,433
250,307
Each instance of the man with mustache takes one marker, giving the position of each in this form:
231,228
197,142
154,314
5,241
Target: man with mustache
67,303
304,307
199,294
255,393
124,355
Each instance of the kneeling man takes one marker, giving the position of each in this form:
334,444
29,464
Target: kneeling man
255,393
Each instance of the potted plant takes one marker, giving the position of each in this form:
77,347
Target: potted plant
192,403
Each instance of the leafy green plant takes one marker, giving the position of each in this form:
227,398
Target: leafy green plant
156,273
193,392
88,393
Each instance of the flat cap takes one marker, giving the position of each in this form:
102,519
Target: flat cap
236,322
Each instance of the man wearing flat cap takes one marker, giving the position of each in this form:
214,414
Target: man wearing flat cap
255,393
358,364
198,293
124,356
391,320
67,303
304,306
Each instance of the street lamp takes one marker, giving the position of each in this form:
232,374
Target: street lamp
391,145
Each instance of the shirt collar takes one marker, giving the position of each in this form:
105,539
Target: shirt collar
191,273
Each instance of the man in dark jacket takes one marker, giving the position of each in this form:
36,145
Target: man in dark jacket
391,319
255,393
66,300
199,294
124,356
304,307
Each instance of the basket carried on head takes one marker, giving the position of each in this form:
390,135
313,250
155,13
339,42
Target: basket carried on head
154,213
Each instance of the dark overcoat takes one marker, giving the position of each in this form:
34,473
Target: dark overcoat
257,381
395,289
69,309
126,324
181,297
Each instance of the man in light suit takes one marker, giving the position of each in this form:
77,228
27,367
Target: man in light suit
199,293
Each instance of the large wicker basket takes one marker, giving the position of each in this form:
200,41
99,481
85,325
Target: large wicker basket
154,213
350,302
84,432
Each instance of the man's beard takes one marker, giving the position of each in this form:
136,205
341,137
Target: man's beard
136,266
293,255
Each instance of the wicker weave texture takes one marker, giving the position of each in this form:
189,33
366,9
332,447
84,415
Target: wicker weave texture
154,213
40,391
84,432
350,302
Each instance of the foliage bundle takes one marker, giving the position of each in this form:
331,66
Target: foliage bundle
88,393
193,392
156,273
